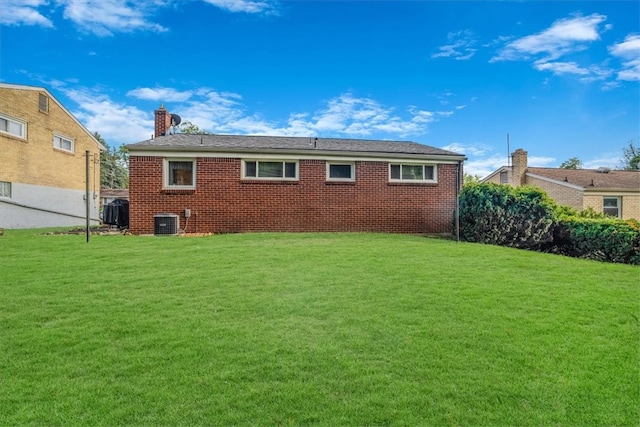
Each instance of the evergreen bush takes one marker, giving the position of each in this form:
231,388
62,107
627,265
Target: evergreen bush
521,217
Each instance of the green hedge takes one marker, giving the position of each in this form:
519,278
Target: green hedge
611,240
521,217
525,217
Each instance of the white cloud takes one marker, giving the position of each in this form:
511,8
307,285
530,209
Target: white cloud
629,52
560,67
24,12
160,94
564,36
244,6
117,123
460,46
224,112
104,17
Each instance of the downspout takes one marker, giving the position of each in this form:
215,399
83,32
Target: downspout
458,169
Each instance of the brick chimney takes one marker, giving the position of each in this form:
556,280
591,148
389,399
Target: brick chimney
518,167
163,121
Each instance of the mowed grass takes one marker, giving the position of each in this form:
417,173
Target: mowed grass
312,329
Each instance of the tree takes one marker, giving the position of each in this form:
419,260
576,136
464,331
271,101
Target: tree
471,179
192,129
572,163
631,156
114,170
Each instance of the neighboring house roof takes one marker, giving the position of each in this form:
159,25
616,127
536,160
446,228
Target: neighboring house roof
289,144
118,193
590,179
41,89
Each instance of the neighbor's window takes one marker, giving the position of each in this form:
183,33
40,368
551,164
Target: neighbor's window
341,172
611,206
63,143
5,189
504,177
180,173
408,172
13,127
270,169
43,103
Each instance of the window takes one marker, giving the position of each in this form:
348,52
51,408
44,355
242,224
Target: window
270,169
43,103
180,174
63,143
5,189
341,172
13,126
408,172
611,206
504,177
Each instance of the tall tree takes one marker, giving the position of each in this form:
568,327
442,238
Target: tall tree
114,170
471,179
631,156
191,129
572,163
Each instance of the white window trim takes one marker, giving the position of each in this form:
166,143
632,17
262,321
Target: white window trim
244,169
66,138
353,171
424,180
618,204
5,189
22,123
165,174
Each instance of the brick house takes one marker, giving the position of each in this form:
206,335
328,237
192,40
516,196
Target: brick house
234,183
614,192
43,161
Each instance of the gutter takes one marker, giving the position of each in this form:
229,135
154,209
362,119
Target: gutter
304,154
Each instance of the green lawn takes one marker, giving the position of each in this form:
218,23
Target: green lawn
312,329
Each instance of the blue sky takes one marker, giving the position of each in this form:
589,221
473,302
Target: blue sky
562,78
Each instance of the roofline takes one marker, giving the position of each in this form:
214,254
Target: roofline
43,89
494,173
555,181
178,151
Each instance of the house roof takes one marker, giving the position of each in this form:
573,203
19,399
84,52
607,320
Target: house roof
118,193
591,179
62,107
287,144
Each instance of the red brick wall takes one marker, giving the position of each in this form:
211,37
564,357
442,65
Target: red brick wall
224,203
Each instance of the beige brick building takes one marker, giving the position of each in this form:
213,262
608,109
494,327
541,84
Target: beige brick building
614,192
43,167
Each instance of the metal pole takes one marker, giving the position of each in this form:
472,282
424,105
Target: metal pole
87,196
458,201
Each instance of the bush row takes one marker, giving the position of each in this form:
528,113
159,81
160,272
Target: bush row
527,218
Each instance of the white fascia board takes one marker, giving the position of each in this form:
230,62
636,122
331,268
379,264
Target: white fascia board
330,156
555,181
491,175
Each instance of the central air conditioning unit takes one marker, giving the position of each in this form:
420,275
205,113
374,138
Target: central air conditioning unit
166,224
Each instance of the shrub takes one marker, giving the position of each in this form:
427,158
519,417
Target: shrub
608,239
521,217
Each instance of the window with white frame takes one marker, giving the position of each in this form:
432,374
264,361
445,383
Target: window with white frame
179,173
5,189
270,169
341,171
412,173
63,143
611,206
13,126
504,177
